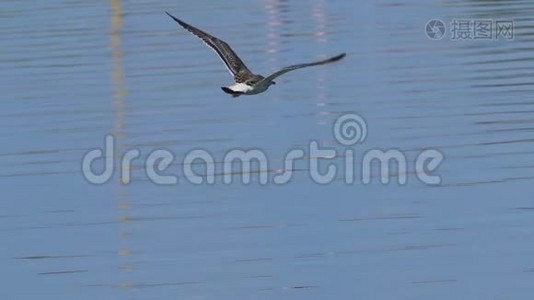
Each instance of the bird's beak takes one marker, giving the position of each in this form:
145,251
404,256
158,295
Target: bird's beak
272,82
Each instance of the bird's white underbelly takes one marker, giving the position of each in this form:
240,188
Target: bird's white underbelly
249,90
240,87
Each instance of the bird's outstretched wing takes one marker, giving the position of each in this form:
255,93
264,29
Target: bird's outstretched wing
300,66
234,64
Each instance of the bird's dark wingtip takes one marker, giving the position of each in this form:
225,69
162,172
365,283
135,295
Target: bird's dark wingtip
338,57
173,17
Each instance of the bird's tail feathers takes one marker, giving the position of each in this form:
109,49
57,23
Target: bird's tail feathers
231,92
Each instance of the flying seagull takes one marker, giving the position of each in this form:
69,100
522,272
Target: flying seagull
246,82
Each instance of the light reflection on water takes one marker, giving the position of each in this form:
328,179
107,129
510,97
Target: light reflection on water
75,71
